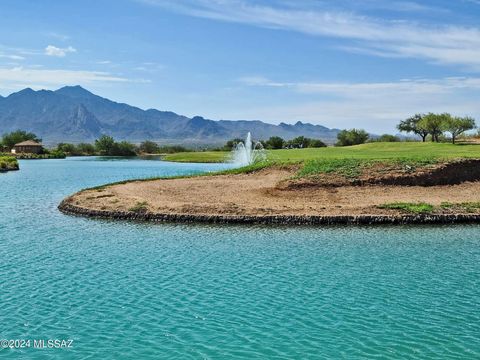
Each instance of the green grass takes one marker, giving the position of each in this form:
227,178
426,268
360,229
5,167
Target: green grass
349,161
198,157
373,151
466,206
415,208
352,168
379,151
424,208
8,163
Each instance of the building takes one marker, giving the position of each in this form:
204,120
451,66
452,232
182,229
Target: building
29,146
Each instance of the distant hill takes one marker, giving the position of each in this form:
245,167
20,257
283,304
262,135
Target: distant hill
74,114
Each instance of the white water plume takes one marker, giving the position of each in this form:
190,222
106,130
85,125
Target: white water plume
248,152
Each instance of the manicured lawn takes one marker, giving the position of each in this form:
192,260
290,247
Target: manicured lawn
373,151
198,157
379,151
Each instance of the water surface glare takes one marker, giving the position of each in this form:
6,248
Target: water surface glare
151,291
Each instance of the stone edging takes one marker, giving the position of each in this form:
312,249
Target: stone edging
68,208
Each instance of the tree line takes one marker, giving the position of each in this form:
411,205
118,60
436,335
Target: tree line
276,142
424,125
434,125
105,145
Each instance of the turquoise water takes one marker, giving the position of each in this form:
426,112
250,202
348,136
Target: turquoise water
141,291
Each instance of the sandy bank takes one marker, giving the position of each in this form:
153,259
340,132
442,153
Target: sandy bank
259,198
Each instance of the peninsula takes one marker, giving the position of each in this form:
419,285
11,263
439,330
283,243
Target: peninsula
369,183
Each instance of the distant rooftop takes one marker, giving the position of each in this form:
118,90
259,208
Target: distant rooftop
28,143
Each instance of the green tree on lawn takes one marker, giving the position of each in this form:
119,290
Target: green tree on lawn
458,125
412,125
434,124
275,142
351,137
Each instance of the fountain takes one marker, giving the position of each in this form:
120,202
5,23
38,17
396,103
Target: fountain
248,152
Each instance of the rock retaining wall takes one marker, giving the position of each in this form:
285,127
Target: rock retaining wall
71,209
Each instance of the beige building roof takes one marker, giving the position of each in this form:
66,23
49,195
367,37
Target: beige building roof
28,143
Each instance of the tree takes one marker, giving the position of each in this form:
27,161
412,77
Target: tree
123,148
299,142
9,140
149,147
69,149
351,137
85,149
274,142
172,149
388,138
434,124
412,125
316,143
230,145
458,125
105,145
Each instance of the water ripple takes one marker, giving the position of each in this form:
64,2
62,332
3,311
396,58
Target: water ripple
127,290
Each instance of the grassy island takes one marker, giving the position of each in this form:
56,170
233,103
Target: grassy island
8,163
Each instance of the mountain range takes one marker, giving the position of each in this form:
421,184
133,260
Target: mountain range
74,114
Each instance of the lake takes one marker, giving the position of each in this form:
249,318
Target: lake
126,290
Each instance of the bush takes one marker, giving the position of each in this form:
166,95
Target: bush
85,149
351,137
69,149
8,163
149,147
274,142
316,143
104,145
107,146
123,148
299,142
56,154
387,138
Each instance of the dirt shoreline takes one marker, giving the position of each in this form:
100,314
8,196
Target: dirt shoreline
262,198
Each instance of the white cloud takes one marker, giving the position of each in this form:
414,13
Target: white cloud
12,57
51,50
149,67
59,36
344,89
375,106
445,44
20,77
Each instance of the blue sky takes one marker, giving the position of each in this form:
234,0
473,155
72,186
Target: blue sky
343,63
